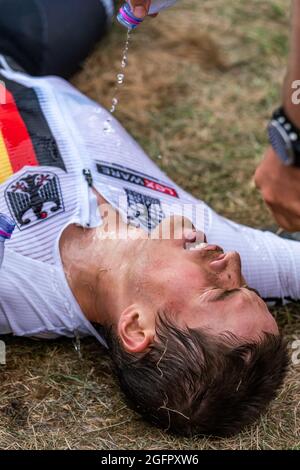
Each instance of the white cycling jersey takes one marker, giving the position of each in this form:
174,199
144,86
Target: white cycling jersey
55,145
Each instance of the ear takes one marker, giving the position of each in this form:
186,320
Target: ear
135,329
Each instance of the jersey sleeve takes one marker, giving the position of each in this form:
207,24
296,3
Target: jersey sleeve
31,298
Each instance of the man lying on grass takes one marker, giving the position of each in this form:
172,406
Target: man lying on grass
107,245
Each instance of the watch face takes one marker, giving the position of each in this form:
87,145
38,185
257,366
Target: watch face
281,143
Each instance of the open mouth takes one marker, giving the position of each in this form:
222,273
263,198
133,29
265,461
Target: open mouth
202,246
195,246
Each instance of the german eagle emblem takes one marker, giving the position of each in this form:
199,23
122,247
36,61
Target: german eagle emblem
34,197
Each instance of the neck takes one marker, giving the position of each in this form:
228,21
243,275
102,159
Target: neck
98,268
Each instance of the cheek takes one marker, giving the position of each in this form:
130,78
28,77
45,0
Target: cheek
180,286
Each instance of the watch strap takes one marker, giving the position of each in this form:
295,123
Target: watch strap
293,131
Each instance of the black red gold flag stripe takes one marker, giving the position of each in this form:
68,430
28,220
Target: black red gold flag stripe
25,136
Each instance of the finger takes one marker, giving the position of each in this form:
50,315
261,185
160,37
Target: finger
287,211
140,8
285,218
290,225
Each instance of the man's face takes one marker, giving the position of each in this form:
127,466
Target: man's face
202,287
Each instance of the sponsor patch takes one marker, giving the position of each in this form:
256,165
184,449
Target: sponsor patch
130,176
145,210
34,197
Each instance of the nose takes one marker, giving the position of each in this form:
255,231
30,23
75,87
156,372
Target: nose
226,267
232,276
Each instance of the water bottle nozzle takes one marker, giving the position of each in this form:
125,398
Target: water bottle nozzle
127,18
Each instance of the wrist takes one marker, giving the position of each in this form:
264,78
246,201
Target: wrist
284,137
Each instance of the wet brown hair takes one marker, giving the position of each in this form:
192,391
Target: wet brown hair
191,382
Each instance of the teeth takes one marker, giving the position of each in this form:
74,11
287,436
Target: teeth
197,246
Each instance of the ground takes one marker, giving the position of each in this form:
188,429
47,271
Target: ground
201,84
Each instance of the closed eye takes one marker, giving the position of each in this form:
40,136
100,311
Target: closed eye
228,293
253,290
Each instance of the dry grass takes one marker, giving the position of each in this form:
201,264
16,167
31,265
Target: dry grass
201,84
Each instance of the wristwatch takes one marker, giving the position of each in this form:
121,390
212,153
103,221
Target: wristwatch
284,137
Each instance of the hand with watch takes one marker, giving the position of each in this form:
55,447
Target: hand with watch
278,176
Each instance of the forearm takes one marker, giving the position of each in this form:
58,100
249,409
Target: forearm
291,94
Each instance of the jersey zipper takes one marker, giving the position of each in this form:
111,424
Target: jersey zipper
89,180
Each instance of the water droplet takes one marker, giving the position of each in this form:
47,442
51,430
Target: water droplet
120,78
114,103
107,128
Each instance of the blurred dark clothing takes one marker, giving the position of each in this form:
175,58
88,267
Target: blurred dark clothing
51,37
